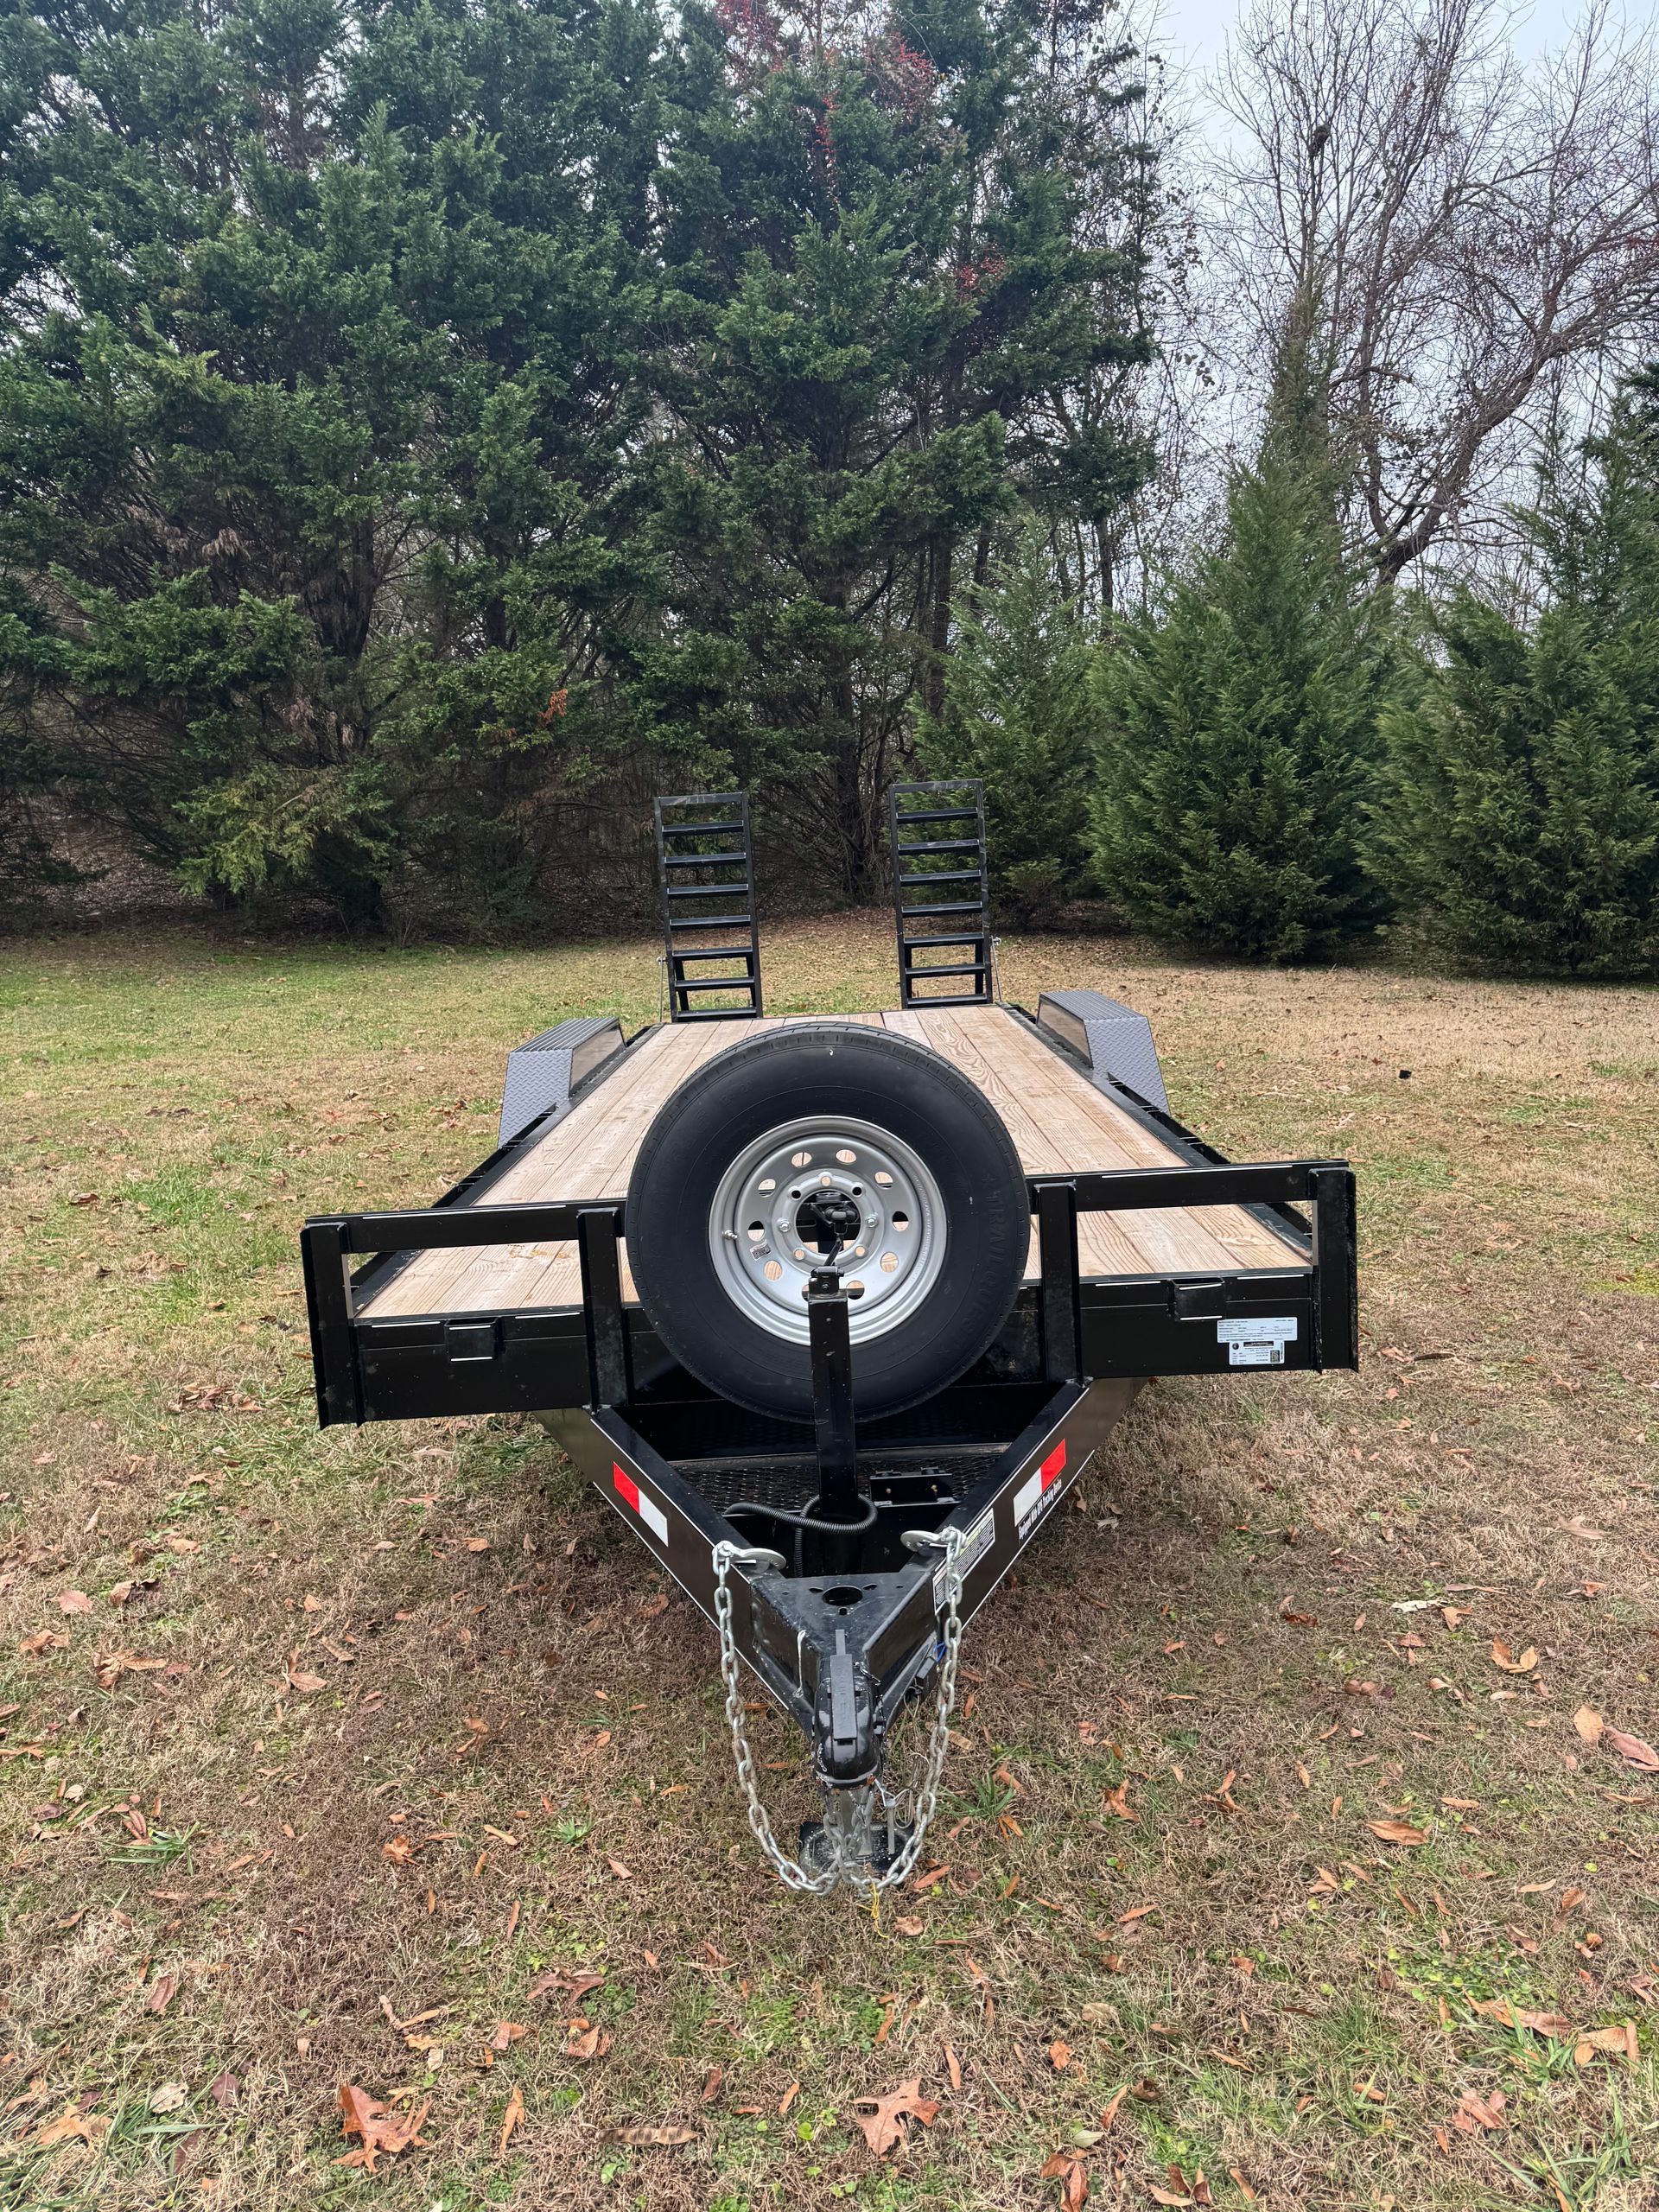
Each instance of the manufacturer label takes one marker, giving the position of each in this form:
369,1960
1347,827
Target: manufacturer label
975,1544
646,1506
1037,1492
1258,1339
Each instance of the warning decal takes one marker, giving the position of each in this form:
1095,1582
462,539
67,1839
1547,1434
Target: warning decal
647,1508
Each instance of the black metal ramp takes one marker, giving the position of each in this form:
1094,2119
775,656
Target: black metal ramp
941,893
710,940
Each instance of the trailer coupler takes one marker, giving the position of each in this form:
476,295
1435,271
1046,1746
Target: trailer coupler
861,1839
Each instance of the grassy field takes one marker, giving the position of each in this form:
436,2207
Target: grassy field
339,1759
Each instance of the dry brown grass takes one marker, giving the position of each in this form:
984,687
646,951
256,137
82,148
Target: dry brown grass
497,1689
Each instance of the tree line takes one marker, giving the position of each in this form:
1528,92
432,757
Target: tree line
427,427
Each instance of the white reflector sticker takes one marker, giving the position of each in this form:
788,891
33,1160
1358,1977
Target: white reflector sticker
646,1507
1258,1339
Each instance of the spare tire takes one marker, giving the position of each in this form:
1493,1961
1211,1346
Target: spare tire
778,1144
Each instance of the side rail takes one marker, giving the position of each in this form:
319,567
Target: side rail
327,1247
1305,1317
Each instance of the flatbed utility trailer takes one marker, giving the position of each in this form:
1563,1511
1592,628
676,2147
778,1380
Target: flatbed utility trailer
835,1312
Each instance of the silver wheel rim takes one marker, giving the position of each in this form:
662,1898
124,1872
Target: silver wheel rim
897,1255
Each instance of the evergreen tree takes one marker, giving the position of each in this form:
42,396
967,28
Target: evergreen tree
1017,715
877,277
315,409
1239,737
417,418
1524,811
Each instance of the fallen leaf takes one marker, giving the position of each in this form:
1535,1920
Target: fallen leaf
1068,2169
1475,2111
507,2033
953,2067
1397,1831
1242,2185
45,1639
381,2131
307,1685
788,2099
1165,2195
653,1606
582,2046
1620,2041
163,1990
1503,1658
1632,1748
1059,2056
74,1601
652,2135
90,2126
399,1849
556,1981
1555,2024
908,1924
1108,2112
170,2097
884,2125
1116,1803
109,1666
222,2088
622,1873
510,2119
1589,1724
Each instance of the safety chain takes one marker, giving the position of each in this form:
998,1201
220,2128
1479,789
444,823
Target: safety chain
842,1864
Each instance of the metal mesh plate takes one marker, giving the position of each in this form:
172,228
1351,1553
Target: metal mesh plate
791,1481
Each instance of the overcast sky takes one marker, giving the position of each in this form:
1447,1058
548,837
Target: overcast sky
1192,32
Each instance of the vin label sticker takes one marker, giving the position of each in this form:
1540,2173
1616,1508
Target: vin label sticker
975,1544
1258,1339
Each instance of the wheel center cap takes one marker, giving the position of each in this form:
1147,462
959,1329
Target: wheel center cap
828,1218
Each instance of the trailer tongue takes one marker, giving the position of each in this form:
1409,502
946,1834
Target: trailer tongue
841,1384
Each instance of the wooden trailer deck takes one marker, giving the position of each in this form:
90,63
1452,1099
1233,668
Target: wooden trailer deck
1057,1118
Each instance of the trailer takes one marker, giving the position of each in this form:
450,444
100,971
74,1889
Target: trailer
834,1311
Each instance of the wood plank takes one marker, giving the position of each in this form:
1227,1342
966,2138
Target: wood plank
1059,1120
1056,1118
588,1154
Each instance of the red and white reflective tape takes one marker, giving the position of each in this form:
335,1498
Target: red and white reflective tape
1045,1478
647,1508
